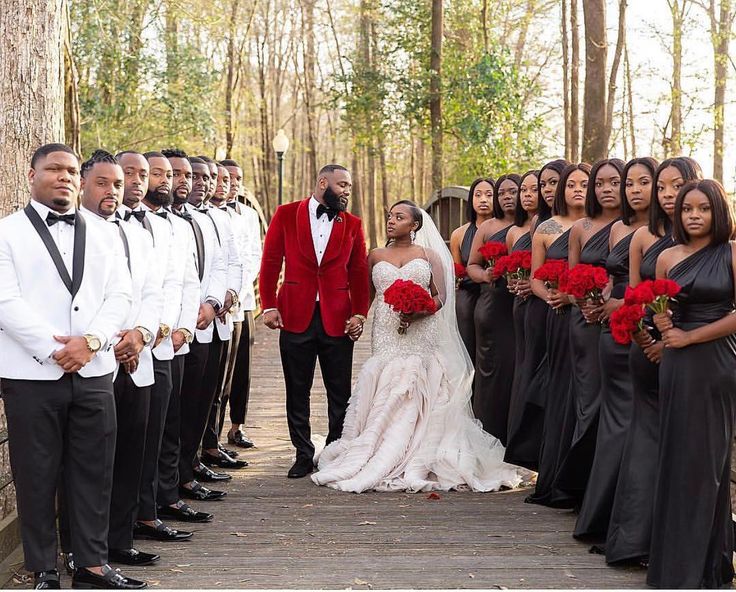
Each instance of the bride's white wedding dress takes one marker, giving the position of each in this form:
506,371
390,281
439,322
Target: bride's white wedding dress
405,427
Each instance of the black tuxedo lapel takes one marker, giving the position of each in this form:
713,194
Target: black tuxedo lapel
80,242
51,247
126,245
149,228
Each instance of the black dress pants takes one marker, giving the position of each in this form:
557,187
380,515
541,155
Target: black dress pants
69,423
211,435
201,371
299,354
157,412
238,391
168,459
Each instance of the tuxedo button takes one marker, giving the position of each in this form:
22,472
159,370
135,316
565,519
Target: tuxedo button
76,308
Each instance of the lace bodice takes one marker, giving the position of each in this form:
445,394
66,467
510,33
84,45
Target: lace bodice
421,337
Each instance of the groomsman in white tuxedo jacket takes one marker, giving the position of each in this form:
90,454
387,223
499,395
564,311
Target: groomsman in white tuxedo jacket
196,390
102,193
236,388
65,294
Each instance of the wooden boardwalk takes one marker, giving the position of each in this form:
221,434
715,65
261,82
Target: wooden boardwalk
274,532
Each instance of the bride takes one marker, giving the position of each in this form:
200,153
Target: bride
409,424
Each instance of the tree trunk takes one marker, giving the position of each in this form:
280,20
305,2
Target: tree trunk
435,93
566,82
721,21
71,96
523,30
32,90
574,83
677,10
630,97
595,144
230,82
620,42
484,24
309,86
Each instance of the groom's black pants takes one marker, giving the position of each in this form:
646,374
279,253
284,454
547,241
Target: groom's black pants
299,354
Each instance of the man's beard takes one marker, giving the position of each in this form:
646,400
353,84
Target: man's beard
159,198
332,200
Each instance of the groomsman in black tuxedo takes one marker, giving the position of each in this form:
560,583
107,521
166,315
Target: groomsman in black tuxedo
102,192
65,293
236,389
198,384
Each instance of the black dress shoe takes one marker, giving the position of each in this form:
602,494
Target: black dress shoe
111,579
68,559
301,468
184,513
230,453
201,493
203,473
239,439
132,557
160,532
222,460
46,580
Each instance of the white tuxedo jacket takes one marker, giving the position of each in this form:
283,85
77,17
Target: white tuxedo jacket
247,231
186,265
36,303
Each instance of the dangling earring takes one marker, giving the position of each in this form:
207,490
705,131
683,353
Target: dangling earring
412,236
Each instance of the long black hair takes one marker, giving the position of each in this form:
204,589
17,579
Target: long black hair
690,171
593,208
544,211
721,228
521,215
470,214
559,207
627,212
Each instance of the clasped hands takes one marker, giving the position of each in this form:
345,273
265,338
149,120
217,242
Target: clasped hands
520,288
74,355
671,336
353,326
128,349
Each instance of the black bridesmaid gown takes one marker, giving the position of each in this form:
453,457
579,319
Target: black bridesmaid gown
630,527
494,353
586,382
692,533
516,405
558,418
466,296
615,413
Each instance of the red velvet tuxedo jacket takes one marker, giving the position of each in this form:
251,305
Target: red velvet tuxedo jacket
341,280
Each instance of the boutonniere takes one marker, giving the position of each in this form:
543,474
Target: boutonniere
338,219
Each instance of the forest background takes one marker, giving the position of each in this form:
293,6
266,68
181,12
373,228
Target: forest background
411,95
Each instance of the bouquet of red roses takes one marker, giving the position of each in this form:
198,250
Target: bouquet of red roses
551,272
515,266
586,282
407,297
625,321
461,273
491,251
654,294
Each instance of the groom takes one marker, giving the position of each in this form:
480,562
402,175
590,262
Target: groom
321,305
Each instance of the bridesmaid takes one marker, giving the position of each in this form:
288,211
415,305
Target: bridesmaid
616,396
479,209
629,529
550,241
589,239
692,533
494,327
519,238
526,425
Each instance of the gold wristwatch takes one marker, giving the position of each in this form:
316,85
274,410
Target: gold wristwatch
93,342
164,329
235,297
147,335
188,337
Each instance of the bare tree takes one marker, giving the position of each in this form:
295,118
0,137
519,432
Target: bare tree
678,10
230,82
613,75
574,83
566,82
595,142
435,93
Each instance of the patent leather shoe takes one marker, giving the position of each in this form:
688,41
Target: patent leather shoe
111,579
222,460
68,559
228,451
204,473
301,468
132,556
184,513
239,439
200,493
160,532
46,580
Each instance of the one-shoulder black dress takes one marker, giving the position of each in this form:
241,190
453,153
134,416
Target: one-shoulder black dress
494,353
630,527
558,411
692,533
466,296
615,412
586,382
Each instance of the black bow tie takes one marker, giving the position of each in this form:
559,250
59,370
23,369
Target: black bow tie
202,210
115,221
52,218
163,214
184,214
139,215
232,204
323,209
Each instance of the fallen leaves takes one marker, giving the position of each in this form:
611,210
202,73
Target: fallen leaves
367,523
434,496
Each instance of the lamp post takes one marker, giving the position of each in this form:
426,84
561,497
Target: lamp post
280,145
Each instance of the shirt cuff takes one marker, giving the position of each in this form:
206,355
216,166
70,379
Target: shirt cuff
268,310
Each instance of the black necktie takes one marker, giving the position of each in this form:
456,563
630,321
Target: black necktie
52,218
139,215
323,209
163,213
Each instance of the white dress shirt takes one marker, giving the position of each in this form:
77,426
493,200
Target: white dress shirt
321,230
61,232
